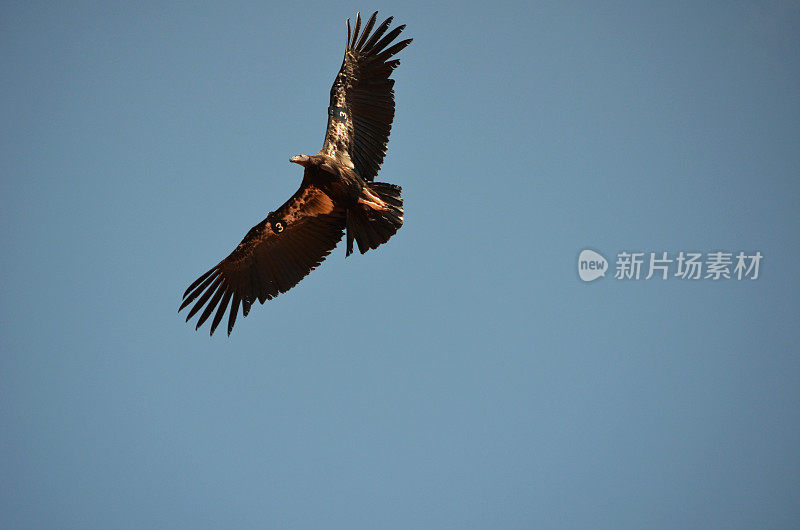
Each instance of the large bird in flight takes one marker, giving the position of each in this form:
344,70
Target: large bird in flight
338,192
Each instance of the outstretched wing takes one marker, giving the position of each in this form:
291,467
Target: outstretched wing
362,98
272,258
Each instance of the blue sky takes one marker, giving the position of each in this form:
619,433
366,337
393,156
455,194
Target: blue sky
460,376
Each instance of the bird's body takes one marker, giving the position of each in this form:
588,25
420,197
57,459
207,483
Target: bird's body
337,193
340,183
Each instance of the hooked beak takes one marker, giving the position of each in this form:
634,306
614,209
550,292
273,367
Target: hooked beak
300,159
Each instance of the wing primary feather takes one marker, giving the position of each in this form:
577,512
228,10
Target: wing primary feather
347,45
206,295
367,29
198,281
197,291
223,305
246,304
387,53
211,305
388,38
234,310
378,34
355,30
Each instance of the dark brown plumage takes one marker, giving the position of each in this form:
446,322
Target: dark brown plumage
337,193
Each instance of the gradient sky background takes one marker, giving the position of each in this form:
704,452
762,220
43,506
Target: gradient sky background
461,376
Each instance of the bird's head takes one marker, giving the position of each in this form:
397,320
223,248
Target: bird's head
300,159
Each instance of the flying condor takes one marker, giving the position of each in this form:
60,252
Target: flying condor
337,194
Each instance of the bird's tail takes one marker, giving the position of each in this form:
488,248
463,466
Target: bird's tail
376,217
